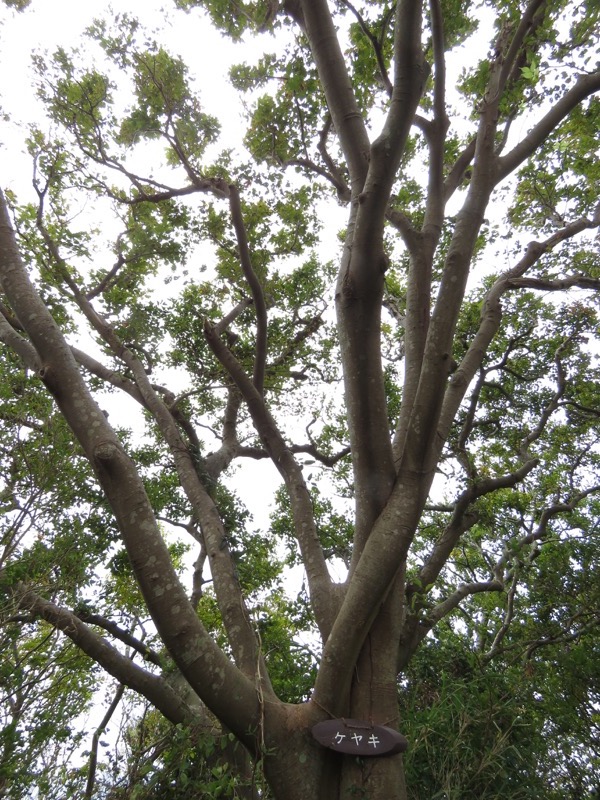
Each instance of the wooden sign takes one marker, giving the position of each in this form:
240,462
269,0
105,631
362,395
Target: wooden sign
359,738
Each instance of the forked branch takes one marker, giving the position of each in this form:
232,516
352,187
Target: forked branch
319,582
151,686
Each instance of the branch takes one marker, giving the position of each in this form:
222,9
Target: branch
108,375
508,617
311,326
439,60
462,454
215,186
24,349
218,461
491,317
198,580
360,284
410,75
551,406
328,461
555,285
111,274
416,628
530,20
115,378
341,100
344,193
91,779
375,44
255,288
458,170
562,637
341,188
540,531
233,609
462,520
436,133
416,441
236,619
124,636
153,687
453,601
259,453
378,568
319,582
226,321
584,87
210,185
404,226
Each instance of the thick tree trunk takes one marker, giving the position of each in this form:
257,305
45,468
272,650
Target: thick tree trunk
297,767
342,777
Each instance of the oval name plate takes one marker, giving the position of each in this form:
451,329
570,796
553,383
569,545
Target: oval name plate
357,737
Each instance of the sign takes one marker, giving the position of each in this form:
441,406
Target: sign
359,738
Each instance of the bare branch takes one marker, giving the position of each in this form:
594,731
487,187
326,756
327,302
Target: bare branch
341,101
491,316
258,297
124,636
508,617
153,687
91,778
318,577
584,87
375,44
23,348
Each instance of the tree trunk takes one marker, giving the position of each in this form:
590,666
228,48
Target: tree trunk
297,767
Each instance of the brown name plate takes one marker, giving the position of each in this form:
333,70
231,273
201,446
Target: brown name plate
357,737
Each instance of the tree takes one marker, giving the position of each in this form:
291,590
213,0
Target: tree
455,479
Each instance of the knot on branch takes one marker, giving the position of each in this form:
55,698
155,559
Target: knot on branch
51,379
105,451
